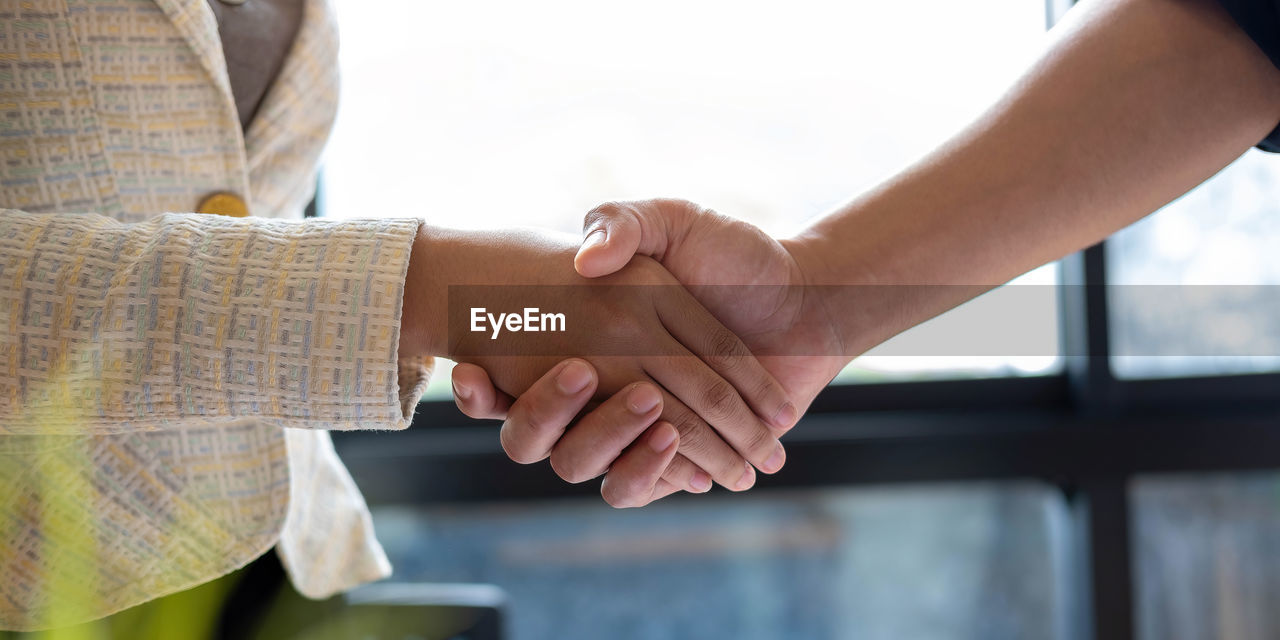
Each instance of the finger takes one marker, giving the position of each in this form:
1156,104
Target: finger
684,475
665,489
716,403
598,438
614,232
721,349
610,240
539,417
634,479
475,394
704,448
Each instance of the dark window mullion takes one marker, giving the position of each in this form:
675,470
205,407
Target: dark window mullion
1086,340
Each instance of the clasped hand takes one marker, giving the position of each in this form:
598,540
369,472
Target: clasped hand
765,304
667,384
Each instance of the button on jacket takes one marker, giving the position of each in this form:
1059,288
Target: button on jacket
167,377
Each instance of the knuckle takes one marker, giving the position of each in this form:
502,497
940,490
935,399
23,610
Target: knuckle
613,500
603,211
724,350
465,406
693,434
625,325
680,208
622,494
619,501
618,310
578,475
766,388
567,471
609,206
720,400
536,417
730,469
514,450
760,444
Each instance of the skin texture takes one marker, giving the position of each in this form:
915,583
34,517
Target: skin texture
1133,103
657,329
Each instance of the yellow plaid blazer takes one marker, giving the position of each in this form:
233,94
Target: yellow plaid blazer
167,378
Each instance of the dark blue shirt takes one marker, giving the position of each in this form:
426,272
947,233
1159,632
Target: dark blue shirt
1261,20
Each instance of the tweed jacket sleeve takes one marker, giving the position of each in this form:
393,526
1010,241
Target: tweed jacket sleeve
108,327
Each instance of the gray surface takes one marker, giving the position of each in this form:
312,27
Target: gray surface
953,562
1208,556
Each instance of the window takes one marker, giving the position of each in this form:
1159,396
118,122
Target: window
1196,281
1206,562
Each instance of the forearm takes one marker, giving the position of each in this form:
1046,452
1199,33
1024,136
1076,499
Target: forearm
443,257
1133,103
423,317
189,319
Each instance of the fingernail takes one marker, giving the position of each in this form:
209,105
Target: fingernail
775,461
662,438
786,416
461,392
594,239
643,399
573,378
701,482
747,480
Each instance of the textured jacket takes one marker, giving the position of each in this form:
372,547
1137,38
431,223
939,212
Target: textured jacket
167,378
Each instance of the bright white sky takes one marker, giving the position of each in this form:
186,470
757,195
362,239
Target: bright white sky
496,114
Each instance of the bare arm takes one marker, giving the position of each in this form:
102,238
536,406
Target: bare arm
1134,103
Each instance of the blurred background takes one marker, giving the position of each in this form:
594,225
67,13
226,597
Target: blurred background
1035,494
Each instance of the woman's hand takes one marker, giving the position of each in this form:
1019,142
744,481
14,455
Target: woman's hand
641,326
619,436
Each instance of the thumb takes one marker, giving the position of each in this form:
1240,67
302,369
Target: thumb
611,235
614,232
475,394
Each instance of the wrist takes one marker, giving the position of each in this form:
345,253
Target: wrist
878,268
835,283
436,255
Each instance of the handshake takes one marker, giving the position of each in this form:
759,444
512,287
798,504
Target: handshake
691,344
693,377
